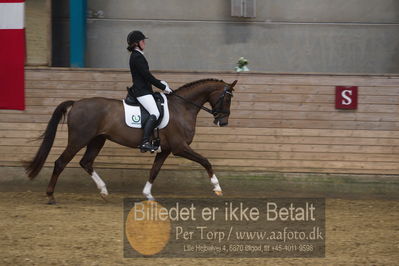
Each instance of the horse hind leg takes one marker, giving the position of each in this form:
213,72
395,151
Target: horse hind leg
93,149
59,165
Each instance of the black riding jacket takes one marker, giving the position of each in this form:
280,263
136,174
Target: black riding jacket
141,76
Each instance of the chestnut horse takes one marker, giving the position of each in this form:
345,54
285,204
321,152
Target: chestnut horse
92,121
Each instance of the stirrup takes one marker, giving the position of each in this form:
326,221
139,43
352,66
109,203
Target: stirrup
147,146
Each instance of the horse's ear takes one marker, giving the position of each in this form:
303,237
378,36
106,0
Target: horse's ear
233,84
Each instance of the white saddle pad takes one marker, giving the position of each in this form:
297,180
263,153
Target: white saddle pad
133,114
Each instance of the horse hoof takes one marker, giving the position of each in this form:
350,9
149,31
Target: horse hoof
149,197
218,193
51,201
104,196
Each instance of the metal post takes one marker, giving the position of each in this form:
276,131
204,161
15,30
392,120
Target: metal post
77,32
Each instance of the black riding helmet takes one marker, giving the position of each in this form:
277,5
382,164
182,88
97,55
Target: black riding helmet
135,37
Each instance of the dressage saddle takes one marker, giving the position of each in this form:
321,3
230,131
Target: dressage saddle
132,100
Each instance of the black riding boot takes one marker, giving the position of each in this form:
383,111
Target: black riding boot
146,145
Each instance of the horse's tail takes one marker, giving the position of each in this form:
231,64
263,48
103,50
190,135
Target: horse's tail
33,168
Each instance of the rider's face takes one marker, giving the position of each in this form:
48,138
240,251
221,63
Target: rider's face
142,44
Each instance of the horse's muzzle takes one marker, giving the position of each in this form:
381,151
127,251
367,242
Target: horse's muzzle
220,123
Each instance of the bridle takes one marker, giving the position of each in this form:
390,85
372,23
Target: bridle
217,111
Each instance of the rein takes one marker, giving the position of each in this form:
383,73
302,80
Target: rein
212,112
196,105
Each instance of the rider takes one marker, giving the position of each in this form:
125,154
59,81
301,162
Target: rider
142,81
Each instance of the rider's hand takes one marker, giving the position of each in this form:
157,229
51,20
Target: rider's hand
167,90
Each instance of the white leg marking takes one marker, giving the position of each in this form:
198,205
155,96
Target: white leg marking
215,183
159,150
100,183
147,191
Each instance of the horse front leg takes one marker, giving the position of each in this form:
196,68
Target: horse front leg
188,153
156,166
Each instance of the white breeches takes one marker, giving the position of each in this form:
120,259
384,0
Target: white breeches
148,102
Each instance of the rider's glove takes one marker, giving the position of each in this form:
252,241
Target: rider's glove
167,90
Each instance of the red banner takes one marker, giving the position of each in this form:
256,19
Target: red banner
12,55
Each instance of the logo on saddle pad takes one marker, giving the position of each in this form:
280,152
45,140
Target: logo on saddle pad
136,115
136,119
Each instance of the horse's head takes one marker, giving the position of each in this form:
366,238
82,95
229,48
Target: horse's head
220,101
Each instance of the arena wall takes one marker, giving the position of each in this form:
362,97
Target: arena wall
284,123
341,36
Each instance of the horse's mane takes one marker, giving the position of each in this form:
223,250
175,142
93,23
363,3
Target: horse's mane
192,84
